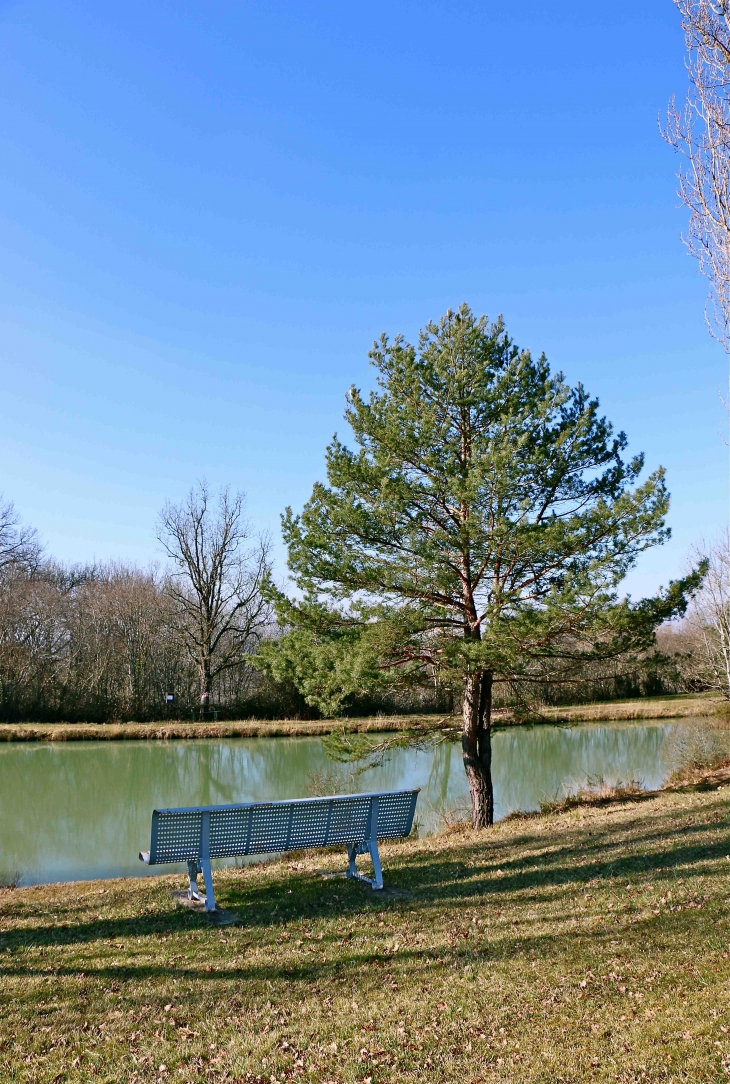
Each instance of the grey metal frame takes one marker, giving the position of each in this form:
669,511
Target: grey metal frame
198,834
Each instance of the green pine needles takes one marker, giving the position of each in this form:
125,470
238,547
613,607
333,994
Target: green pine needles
476,533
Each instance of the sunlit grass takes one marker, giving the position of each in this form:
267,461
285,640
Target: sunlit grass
590,945
653,707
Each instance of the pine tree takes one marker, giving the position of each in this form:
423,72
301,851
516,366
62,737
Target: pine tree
478,532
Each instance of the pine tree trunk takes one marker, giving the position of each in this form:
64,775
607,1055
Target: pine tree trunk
476,745
484,745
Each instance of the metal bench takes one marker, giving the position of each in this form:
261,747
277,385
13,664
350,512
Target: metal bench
357,821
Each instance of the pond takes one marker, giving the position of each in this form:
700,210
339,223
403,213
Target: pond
80,810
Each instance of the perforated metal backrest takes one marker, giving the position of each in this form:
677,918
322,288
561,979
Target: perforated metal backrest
225,831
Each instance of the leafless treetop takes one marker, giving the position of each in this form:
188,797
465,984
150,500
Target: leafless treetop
218,568
700,131
19,545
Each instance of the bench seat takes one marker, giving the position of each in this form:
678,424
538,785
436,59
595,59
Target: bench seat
200,833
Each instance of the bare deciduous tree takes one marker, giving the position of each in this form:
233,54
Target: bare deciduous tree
19,545
33,637
216,579
708,620
108,641
137,618
700,131
120,645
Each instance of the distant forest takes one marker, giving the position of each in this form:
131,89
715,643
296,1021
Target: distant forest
114,642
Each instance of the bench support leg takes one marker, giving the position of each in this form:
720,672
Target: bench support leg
369,847
193,871
194,868
372,846
208,881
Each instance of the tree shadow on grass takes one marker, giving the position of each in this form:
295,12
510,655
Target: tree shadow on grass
471,874
360,964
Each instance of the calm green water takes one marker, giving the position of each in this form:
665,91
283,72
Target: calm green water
76,810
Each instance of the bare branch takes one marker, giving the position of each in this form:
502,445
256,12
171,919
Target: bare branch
700,132
19,545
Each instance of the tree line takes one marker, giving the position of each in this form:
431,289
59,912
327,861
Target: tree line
111,641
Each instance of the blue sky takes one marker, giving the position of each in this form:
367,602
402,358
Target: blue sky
208,213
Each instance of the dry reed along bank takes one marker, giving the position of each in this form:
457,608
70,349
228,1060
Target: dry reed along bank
648,708
587,945
247,728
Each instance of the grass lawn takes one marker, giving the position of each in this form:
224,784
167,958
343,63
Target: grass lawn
589,945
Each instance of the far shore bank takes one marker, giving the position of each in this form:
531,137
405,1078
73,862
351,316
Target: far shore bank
235,728
654,707
610,711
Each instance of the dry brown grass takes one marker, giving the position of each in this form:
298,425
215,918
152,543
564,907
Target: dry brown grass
248,728
649,708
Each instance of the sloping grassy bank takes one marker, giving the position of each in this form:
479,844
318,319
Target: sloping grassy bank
650,707
589,945
647,708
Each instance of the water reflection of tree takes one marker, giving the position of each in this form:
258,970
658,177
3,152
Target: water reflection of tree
440,774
